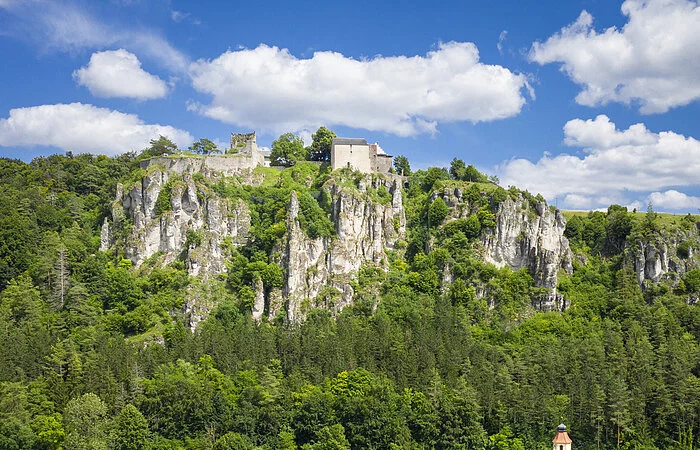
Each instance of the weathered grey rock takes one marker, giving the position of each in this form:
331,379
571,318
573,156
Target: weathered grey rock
105,236
275,303
214,219
209,166
224,220
259,304
201,299
364,231
529,238
397,207
655,258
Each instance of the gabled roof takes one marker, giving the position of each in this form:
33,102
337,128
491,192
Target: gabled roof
349,141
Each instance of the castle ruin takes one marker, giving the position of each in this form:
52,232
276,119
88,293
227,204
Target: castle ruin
244,154
243,144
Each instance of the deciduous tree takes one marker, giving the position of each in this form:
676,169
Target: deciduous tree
321,143
204,147
287,150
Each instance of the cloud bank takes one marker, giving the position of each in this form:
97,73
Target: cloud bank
672,199
654,60
269,88
118,73
616,163
83,128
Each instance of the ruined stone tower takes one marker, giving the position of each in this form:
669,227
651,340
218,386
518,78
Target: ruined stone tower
244,144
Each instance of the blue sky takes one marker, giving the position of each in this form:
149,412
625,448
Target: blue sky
588,102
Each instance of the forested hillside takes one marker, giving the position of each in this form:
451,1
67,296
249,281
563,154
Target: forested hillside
437,349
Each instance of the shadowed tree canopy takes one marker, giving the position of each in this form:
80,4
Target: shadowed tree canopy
160,146
402,165
460,171
322,141
204,147
287,150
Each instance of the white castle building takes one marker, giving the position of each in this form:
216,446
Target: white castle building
359,155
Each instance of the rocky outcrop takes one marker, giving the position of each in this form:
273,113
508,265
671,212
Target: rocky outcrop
525,235
259,303
666,255
364,230
530,237
105,236
172,215
201,298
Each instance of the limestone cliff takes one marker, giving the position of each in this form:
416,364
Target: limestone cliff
533,238
174,212
171,214
664,255
525,235
365,229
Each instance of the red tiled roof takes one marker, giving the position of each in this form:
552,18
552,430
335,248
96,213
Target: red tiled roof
562,438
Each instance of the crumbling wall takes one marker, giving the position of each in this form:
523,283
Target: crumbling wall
243,144
227,165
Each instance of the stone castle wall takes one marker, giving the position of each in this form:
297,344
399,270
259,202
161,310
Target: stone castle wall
227,165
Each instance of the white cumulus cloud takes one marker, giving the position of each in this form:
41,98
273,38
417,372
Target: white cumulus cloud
653,60
118,73
672,199
269,88
616,164
83,129
601,133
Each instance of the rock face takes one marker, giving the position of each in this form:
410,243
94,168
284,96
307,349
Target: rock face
667,255
365,229
259,305
532,238
172,214
105,236
188,212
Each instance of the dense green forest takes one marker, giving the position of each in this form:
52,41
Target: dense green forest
95,353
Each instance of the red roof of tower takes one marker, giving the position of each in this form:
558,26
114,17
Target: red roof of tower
562,436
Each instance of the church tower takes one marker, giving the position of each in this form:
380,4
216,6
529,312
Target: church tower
562,441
